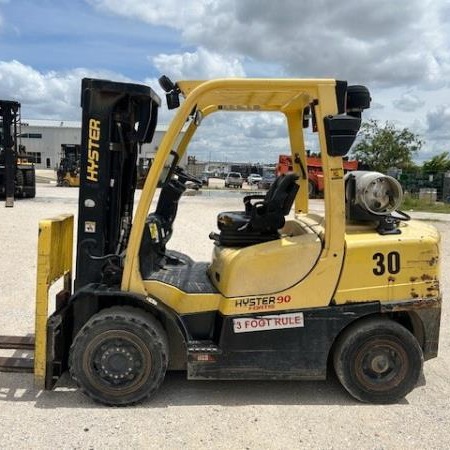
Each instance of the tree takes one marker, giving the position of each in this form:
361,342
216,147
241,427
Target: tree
438,163
382,148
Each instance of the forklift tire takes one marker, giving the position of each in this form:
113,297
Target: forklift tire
30,184
30,179
19,179
311,189
120,356
378,361
29,191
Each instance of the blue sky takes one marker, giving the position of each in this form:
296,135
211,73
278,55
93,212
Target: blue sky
400,50
62,35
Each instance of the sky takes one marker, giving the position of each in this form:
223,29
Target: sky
399,49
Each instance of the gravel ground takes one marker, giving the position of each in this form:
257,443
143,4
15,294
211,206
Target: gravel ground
195,414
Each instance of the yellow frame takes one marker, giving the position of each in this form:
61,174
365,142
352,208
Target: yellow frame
55,253
288,96
332,278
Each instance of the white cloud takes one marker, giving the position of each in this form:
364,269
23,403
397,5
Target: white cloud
438,121
399,49
408,102
387,44
172,13
46,95
237,137
201,64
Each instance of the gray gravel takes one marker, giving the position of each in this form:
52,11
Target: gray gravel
194,414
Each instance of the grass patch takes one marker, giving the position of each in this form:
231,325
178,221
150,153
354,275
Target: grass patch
416,204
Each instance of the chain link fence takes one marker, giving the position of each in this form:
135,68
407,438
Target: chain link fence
431,187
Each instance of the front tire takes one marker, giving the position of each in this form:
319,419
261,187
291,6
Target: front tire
120,356
378,361
20,180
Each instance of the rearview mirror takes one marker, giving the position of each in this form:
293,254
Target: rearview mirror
340,132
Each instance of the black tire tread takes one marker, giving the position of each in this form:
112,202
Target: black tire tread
19,179
132,315
311,189
364,327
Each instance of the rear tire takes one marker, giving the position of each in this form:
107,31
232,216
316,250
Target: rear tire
378,361
120,356
311,189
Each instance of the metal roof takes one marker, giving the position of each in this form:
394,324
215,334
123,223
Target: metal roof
48,123
51,123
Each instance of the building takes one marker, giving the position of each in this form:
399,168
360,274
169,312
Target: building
43,139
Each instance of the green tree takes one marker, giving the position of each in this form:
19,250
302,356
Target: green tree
438,163
385,147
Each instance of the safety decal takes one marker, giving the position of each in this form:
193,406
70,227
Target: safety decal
337,174
89,227
275,322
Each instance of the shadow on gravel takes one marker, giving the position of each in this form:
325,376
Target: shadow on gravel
177,391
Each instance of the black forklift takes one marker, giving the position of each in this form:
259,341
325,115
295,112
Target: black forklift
17,172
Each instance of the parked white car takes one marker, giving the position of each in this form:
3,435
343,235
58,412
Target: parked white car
254,178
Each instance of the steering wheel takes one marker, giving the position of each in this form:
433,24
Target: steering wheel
183,176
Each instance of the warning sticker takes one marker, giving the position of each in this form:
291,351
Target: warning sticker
337,174
249,324
89,227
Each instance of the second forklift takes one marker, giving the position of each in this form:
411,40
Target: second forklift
17,172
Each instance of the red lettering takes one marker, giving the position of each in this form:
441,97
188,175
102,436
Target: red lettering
283,299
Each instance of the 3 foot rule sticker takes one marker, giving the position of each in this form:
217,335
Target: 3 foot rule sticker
275,322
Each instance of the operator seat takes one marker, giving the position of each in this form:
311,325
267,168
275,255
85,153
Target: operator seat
261,219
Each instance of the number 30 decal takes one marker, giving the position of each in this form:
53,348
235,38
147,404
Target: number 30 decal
391,262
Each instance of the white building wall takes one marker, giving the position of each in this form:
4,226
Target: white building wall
44,138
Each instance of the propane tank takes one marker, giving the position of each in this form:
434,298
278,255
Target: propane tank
374,197
377,193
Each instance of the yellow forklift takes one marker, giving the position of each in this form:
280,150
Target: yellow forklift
68,170
287,295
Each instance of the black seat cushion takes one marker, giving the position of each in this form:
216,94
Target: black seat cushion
263,215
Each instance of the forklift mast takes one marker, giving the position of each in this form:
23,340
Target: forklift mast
117,119
9,118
